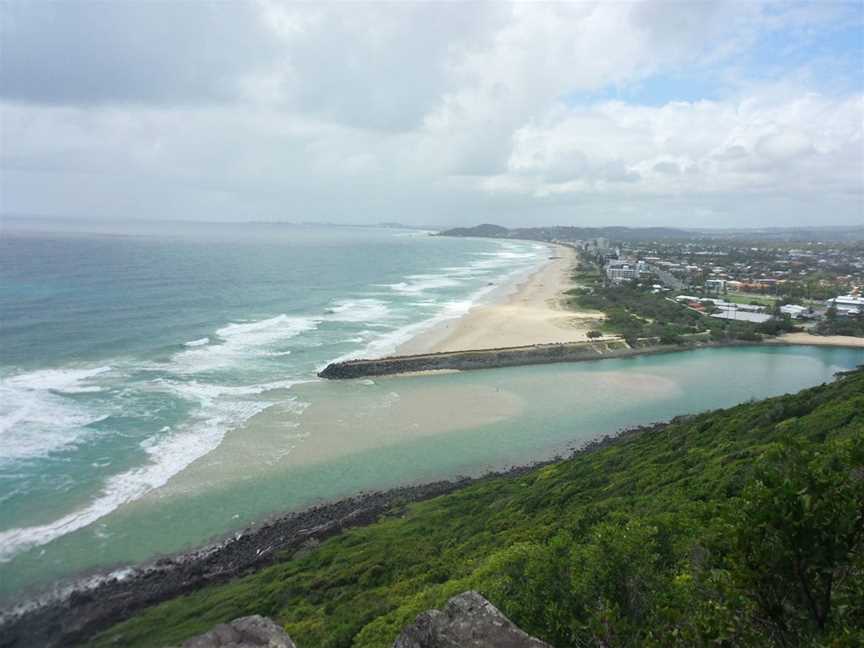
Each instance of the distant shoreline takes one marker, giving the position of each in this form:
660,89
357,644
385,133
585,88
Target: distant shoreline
530,324
535,314
528,311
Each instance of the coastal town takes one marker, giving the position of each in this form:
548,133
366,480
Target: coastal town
667,286
812,287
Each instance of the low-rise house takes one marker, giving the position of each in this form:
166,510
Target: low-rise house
715,286
794,311
742,316
624,270
851,304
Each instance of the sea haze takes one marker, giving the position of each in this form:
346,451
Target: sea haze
126,357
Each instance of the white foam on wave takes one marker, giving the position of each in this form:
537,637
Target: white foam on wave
222,408
70,381
388,343
37,415
507,258
241,342
359,310
417,284
513,263
508,255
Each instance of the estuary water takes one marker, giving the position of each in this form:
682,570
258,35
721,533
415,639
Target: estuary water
158,384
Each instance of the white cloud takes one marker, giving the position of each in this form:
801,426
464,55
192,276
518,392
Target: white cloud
803,143
416,112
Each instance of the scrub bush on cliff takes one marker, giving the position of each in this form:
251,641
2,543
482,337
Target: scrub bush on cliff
603,590
791,564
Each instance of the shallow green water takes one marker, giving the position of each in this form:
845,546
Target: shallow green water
360,435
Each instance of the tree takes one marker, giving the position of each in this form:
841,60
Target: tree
798,540
594,334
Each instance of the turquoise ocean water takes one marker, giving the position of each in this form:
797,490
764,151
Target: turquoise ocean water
157,384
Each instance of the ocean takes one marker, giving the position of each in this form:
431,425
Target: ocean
158,382
127,354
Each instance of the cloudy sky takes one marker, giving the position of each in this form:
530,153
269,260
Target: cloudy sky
637,113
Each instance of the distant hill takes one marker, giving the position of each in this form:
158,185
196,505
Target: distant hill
569,233
828,234
487,231
619,233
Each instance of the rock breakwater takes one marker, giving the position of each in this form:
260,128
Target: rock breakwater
479,359
510,357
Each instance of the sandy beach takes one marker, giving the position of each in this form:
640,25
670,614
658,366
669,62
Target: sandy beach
532,313
820,340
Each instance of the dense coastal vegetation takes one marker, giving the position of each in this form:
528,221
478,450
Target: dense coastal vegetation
742,526
834,325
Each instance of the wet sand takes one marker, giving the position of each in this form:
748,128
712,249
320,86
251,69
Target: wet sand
534,312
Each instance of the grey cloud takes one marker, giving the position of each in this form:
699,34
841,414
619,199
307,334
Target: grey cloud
732,153
421,112
381,66
670,168
128,52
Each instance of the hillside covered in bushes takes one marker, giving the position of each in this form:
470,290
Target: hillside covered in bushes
742,526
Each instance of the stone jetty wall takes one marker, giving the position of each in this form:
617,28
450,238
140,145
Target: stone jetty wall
479,359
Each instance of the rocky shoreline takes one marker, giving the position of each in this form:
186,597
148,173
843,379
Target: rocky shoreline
94,604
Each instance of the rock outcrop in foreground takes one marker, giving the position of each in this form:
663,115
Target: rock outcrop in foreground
467,621
246,632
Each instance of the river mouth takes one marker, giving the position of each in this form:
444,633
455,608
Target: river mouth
358,436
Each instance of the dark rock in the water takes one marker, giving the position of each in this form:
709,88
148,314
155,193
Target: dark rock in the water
246,632
467,621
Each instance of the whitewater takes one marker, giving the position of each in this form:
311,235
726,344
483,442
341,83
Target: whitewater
127,359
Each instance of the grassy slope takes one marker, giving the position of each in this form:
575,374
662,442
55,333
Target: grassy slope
360,588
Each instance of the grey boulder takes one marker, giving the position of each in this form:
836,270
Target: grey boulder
247,632
467,621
